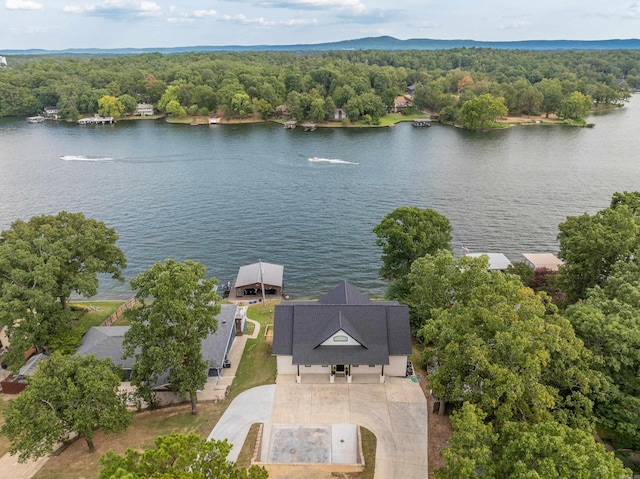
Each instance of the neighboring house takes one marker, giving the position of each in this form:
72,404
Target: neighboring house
144,109
51,112
411,89
3,62
339,114
344,334
543,260
254,279
4,339
106,342
497,261
400,103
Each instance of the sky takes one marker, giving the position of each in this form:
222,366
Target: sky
61,24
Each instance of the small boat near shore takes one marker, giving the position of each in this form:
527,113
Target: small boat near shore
35,119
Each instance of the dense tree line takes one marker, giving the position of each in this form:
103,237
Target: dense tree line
312,85
531,374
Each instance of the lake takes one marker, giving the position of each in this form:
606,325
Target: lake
228,195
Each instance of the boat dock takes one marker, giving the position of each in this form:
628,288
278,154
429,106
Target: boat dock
421,122
35,119
310,127
96,120
290,125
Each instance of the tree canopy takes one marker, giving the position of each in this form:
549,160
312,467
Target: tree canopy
518,450
481,113
42,262
406,234
608,321
65,396
591,244
506,350
177,456
178,310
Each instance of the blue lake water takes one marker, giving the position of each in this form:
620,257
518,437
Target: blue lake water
227,195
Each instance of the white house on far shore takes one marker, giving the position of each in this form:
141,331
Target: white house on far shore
144,109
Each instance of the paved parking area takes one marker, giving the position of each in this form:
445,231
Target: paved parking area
396,412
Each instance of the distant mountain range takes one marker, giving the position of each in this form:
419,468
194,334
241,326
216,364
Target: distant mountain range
369,43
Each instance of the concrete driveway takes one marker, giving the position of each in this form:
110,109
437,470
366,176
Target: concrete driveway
396,412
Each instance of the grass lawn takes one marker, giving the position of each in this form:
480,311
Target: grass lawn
84,321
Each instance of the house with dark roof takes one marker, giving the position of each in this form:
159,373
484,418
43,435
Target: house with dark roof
106,342
342,335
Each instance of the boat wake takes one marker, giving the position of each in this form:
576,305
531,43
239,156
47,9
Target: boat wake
85,158
334,161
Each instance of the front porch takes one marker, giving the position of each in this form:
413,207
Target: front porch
319,378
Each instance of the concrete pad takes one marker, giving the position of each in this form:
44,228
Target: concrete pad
367,393
11,468
371,415
252,406
404,417
405,391
327,412
344,444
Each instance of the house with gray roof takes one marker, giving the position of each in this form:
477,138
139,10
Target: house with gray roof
106,342
342,335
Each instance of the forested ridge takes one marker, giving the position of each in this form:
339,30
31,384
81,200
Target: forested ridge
312,85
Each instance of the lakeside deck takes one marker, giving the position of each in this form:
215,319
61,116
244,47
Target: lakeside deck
96,120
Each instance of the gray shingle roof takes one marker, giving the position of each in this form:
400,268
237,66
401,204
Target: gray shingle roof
381,328
106,341
250,275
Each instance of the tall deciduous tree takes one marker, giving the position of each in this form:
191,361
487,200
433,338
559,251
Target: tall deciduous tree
505,350
481,112
169,328
575,107
110,106
591,244
42,262
65,396
437,281
608,321
519,450
178,456
406,234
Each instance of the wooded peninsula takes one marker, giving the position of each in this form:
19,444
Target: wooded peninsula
471,87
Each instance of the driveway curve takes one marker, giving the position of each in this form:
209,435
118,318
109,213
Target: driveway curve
252,406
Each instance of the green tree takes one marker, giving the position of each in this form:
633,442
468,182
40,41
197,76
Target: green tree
575,107
608,321
42,262
174,108
406,234
317,110
591,244
241,104
177,456
519,450
169,330
437,281
505,350
264,109
481,112
129,103
110,106
65,396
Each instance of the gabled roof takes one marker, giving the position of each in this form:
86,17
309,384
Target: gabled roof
261,272
344,293
341,323
106,341
381,328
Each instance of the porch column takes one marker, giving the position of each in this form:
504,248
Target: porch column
349,375
382,375
298,378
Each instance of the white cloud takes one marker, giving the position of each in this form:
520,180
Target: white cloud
117,9
244,20
22,5
353,6
515,25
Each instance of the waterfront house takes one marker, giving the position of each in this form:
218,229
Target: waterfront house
106,342
411,89
497,261
400,103
51,112
144,109
343,337
339,114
